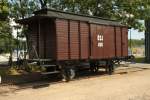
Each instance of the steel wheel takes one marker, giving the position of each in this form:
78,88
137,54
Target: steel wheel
68,74
94,68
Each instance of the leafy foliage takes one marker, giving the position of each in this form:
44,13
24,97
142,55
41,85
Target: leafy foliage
3,10
5,30
22,8
129,12
136,43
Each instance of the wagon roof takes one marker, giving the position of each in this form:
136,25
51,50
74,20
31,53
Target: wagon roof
50,13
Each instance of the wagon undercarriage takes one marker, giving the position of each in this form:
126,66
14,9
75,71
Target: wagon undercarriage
68,70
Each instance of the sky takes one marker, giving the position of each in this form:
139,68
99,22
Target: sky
135,34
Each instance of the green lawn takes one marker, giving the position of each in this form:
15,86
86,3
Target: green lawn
3,72
139,59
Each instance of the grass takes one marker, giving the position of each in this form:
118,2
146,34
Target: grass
139,59
9,71
4,71
15,71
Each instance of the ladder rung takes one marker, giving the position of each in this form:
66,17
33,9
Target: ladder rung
48,65
33,63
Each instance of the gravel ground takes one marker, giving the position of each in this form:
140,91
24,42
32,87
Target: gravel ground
128,83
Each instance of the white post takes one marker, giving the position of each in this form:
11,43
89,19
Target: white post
0,80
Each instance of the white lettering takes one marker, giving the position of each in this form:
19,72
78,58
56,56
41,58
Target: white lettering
100,40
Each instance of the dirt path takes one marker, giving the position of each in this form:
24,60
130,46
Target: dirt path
126,84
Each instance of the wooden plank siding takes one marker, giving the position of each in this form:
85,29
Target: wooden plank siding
73,40
62,35
124,41
33,39
118,42
75,43
109,44
62,39
50,39
43,38
84,36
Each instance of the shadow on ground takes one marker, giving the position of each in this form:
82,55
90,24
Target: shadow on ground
37,80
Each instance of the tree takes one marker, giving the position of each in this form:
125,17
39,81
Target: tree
5,30
21,9
129,12
3,10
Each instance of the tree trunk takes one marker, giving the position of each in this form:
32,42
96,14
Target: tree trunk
147,40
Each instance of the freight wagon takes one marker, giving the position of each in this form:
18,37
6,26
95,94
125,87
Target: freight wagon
64,42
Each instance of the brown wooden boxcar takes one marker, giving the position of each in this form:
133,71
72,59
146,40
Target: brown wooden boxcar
69,39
